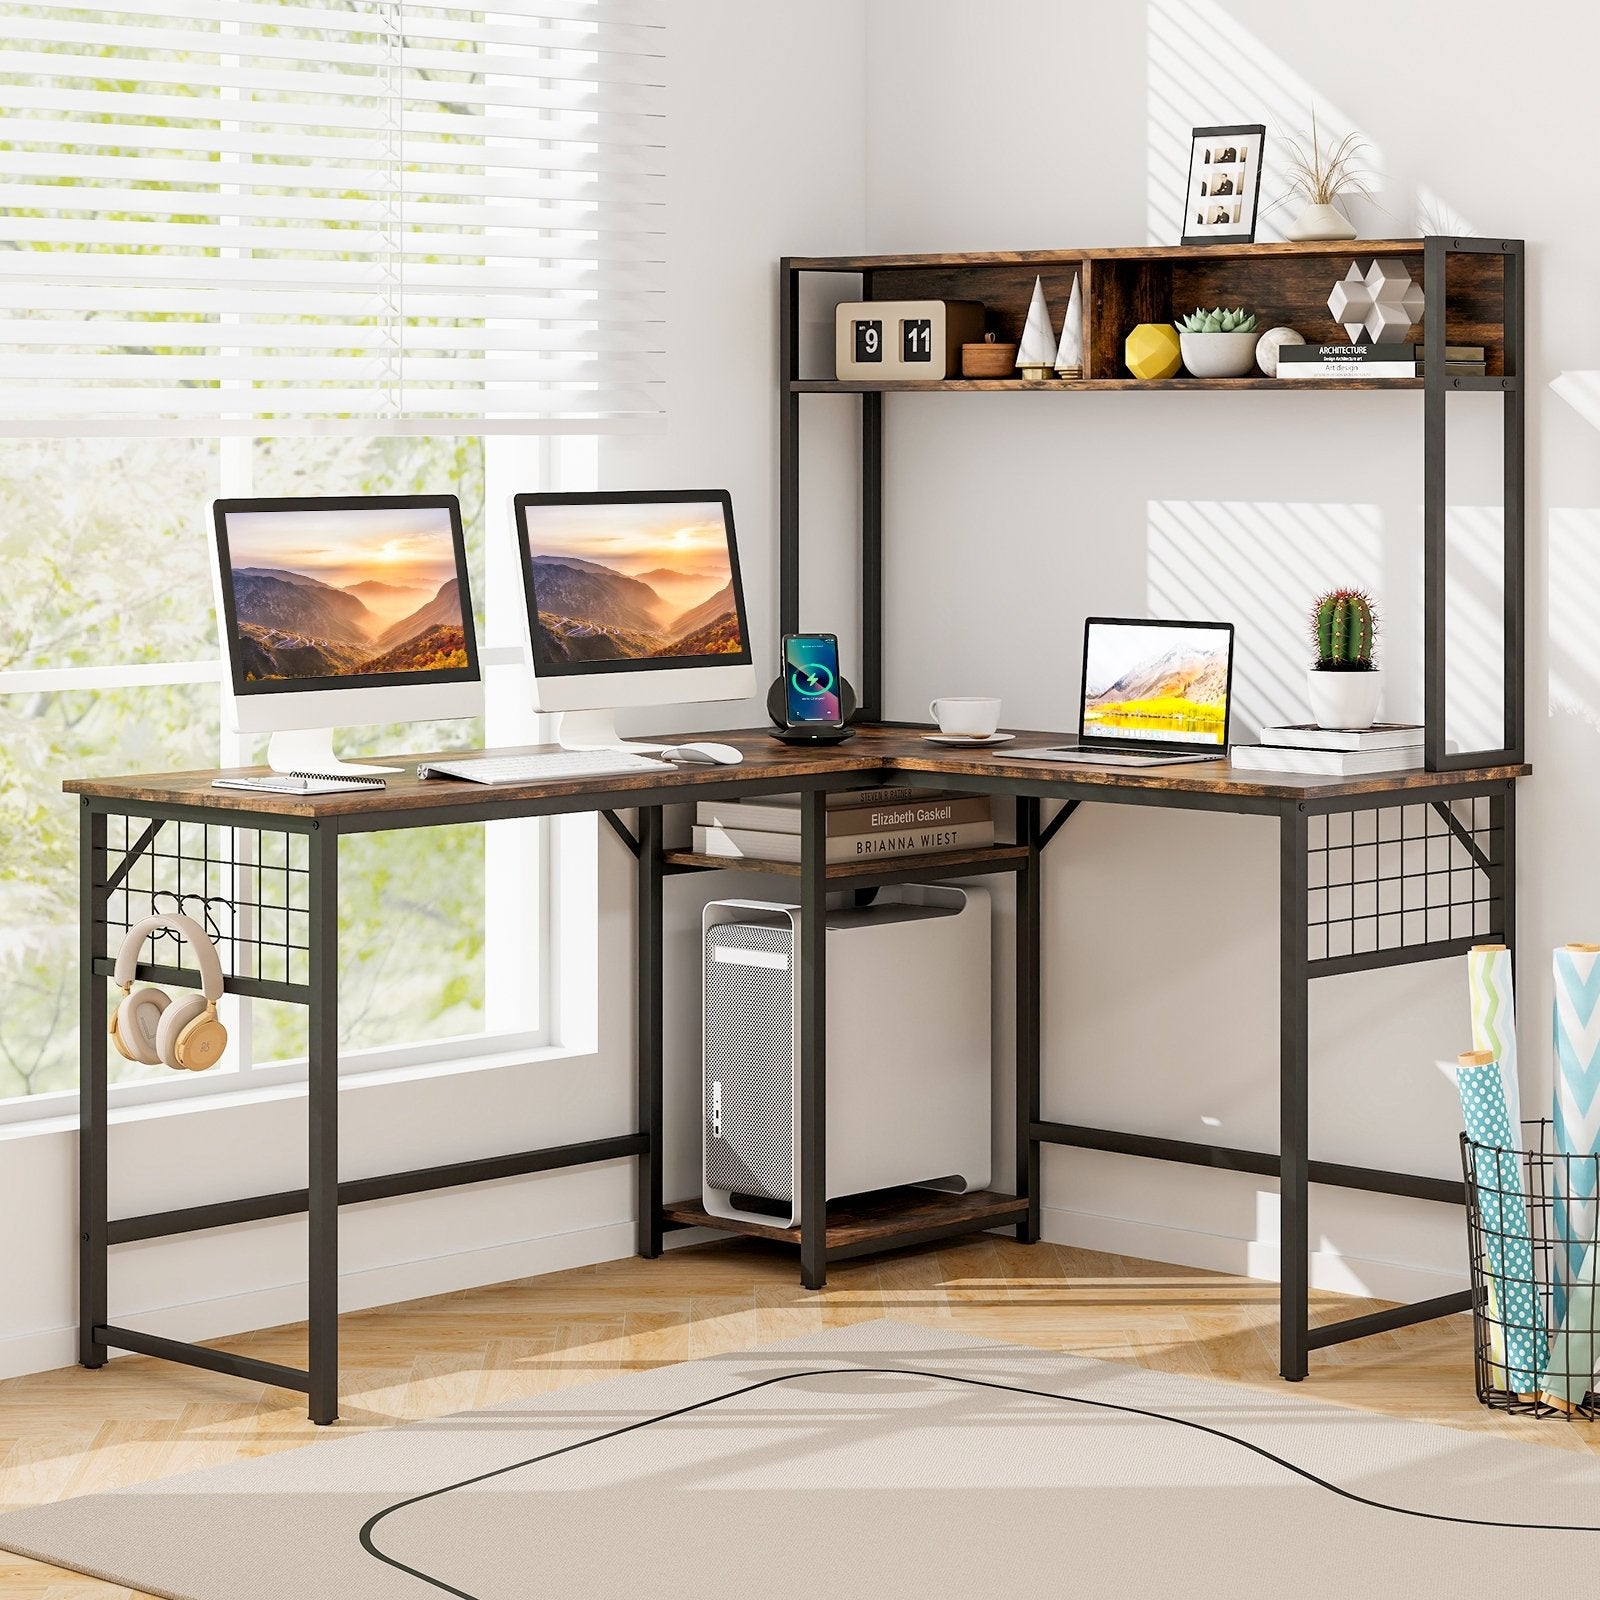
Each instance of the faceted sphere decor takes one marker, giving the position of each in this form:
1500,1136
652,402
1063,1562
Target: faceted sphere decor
1152,351
1383,303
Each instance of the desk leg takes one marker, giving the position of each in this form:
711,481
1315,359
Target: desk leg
93,1303
323,1120
647,1064
813,1040
1028,936
1294,1235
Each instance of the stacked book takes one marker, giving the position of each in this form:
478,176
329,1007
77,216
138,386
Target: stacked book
1385,360
862,824
1333,752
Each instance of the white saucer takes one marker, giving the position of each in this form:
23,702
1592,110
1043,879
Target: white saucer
967,738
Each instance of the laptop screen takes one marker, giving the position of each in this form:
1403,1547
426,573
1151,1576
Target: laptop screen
1156,683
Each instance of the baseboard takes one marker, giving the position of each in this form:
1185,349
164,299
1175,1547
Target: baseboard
1185,1247
358,1291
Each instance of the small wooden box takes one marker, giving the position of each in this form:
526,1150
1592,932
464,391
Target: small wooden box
903,338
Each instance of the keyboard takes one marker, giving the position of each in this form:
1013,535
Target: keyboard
545,767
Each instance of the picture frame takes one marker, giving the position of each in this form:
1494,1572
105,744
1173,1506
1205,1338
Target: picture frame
1223,194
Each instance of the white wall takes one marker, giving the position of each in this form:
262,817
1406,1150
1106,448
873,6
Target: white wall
1010,518
764,157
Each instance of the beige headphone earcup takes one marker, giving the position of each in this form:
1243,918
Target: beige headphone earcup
136,1029
200,1043
174,1020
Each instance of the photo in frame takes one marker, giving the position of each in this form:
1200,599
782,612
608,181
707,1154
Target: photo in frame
1224,189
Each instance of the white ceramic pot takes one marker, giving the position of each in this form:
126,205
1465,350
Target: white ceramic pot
1344,699
1320,222
1218,355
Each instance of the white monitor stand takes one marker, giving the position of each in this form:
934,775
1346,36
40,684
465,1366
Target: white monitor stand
597,730
311,750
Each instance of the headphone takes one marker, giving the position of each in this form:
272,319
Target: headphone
148,1025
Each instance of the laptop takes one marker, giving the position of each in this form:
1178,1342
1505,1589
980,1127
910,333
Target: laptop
1154,693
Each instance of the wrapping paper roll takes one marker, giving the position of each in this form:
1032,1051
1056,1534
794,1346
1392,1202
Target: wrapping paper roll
1494,1028
1494,1017
1575,1350
1575,1112
1503,1212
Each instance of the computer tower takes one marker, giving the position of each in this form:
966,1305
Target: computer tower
908,1048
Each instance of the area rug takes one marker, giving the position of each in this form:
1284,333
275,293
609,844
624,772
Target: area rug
879,1460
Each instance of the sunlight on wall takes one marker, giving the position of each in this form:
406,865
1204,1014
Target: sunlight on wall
1205,69
1258,566
1574,607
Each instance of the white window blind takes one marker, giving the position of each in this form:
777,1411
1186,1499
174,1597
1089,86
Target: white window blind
364,216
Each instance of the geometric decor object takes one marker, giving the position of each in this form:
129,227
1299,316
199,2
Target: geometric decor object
1270,343
1036,354
1069,347
1384,302
1152,351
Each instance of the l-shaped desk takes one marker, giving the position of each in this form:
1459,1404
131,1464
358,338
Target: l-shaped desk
1376,871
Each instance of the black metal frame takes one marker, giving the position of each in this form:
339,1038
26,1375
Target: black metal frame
324,1194
1292,1165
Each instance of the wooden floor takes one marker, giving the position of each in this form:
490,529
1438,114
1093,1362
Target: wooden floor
74,1432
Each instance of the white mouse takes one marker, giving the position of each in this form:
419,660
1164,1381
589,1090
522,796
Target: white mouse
705,753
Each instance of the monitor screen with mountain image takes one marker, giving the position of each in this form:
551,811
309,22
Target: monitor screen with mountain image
1156,683
344,611
634,598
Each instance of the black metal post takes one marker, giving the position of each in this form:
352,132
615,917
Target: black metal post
813,1039
1513,581
1294,1223
1506,868
648,1094
322,1186
1434,263
93,1301
872,555
788,449
1028,938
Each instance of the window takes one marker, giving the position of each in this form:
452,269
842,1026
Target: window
279,247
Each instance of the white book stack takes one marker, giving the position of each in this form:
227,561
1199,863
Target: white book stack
1333,752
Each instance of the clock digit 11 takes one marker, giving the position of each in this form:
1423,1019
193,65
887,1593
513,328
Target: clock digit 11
916,339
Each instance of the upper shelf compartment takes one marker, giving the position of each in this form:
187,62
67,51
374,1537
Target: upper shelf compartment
1284,284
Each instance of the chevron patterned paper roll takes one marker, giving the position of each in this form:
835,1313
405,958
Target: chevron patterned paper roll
1575,1350
1576,1112
1503,1212
1494,1016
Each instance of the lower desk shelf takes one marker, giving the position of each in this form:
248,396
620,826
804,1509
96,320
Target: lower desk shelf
883,1220
879,870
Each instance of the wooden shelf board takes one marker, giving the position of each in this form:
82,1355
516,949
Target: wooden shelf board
879,1217
1001,385
938,864
1142,252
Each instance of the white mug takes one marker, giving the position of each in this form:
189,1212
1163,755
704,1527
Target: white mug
974,715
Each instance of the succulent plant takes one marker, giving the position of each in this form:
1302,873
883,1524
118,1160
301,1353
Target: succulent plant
1343,626
1217,320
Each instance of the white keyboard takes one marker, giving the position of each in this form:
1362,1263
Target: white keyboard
544,767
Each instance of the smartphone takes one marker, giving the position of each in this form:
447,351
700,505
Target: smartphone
811,680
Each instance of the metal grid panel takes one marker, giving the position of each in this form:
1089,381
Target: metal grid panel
249,889
1396,877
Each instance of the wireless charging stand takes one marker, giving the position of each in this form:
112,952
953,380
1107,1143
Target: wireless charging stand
817,734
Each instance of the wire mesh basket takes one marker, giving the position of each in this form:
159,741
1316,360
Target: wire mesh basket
1531,1233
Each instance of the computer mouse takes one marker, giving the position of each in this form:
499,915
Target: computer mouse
705,752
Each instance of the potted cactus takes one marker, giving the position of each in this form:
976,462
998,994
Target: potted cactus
1218,343
1345,684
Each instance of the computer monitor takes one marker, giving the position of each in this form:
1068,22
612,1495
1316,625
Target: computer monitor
633,599
337,612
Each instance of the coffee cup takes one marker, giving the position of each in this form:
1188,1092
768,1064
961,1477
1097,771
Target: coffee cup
971,716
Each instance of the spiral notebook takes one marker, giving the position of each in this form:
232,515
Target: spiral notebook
301,783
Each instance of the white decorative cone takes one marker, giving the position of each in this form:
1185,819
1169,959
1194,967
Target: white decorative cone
1038,347
1069,351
